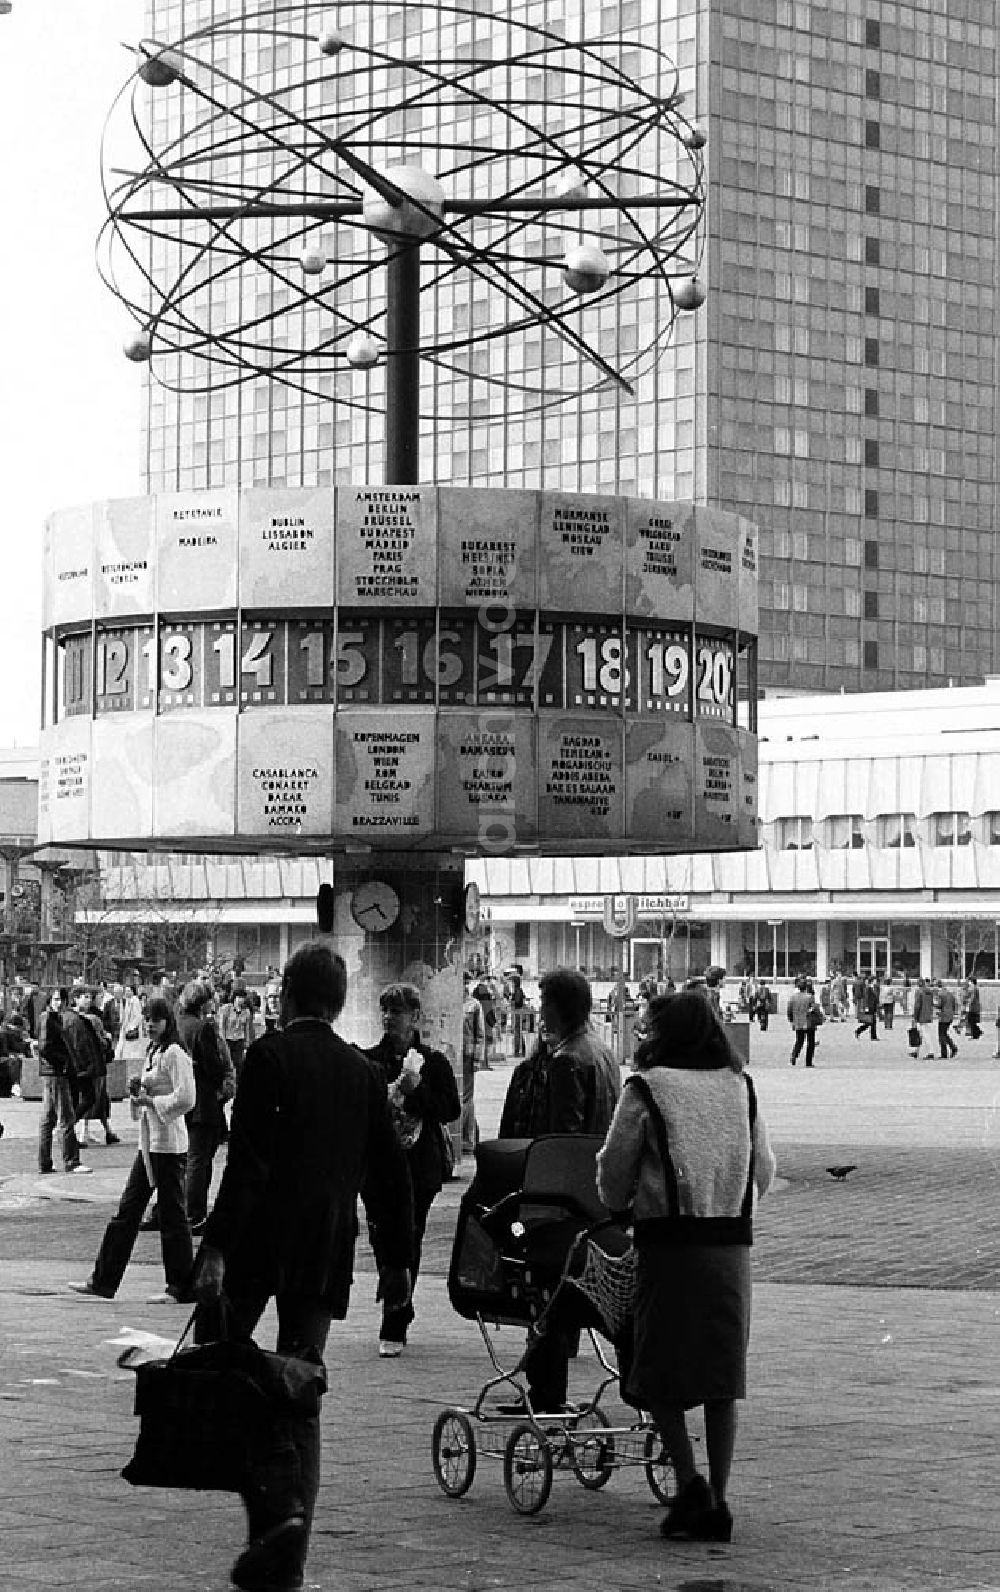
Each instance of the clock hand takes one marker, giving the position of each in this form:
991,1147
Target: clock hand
383,915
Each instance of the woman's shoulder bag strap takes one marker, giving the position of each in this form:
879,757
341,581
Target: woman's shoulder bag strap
645,1094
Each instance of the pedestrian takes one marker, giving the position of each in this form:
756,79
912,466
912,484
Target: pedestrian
714,980
801,1003
159,1100
923,1017
14,1046
206,1120
310,1130
569,1084
518,1000
272,995
763,1004
486,994
236,1027
90,1045
255,1006
974,1010
473,1056
868,1011
687,1151
947,1006
31,1009
131,1044
55,1069
859,995
423,1096
108,1010
887,1003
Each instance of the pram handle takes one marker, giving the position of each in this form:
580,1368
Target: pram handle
493,1217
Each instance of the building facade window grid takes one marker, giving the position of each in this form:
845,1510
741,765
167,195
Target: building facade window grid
747,397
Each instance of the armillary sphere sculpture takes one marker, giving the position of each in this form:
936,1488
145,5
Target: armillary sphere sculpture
560,176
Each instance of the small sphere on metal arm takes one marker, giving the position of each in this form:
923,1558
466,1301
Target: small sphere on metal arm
691,294
362,352
330,39
138,348
158,66
586,268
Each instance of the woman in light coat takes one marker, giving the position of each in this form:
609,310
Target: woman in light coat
160,1097
131,1043
688,1152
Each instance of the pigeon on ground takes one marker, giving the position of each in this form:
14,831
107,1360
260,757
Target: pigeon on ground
840,1172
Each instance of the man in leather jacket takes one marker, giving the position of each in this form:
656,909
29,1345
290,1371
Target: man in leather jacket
569,1084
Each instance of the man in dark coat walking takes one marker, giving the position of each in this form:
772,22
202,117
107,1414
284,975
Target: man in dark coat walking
206,1122
310,1129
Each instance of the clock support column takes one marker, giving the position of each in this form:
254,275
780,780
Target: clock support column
421,945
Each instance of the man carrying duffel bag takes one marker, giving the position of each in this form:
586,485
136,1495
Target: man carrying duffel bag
310,1130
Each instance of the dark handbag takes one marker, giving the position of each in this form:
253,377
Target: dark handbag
815,1017
914,1036
447,1152
215,1417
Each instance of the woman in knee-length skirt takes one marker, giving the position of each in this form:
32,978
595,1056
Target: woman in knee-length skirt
689,1152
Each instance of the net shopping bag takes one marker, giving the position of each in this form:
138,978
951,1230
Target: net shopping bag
212,1416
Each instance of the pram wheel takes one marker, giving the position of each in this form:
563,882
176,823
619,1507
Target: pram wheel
593,1453
453,1447
659,1470
527,1469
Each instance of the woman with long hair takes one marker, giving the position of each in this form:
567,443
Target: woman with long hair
159,1098
687,1151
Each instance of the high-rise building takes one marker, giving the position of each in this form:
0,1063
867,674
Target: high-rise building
838,386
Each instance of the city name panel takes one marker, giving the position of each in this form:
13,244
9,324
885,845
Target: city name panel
412,667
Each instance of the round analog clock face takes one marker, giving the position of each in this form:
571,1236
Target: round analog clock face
374,906
471,899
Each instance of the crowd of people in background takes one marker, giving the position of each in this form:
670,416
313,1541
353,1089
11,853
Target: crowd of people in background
932,1010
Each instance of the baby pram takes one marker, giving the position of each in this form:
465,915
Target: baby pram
535,1247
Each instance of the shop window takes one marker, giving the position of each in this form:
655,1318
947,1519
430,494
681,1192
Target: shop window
897,830
795,834
951,829
991,823
845,832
